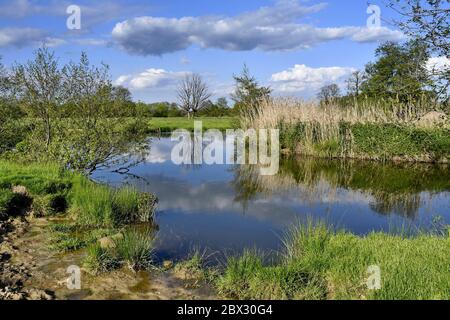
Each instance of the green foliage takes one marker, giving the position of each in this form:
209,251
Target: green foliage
400,72
49,205
321,264
99,205
369,140
248,94
77,114
134,249
67,237
171,124
386,141
99,259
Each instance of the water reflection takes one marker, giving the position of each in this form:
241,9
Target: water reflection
394,188
230,207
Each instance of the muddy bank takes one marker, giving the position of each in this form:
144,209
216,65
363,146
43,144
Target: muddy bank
30,270
14,274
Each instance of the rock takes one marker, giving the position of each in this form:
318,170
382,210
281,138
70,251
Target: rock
20,190
110,242
107,243
168,264
432,118
36,294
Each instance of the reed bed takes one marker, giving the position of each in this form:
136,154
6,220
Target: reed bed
378,131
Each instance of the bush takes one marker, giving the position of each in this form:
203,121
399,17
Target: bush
49,205
99,259
12,204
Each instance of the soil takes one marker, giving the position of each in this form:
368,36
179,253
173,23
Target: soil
29,269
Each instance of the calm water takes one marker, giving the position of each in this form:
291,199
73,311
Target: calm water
227,208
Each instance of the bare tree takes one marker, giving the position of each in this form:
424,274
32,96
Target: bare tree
329,93
354,83
193,94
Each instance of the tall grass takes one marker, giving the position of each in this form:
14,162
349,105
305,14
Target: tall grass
133,248
367,130
319,263
99,205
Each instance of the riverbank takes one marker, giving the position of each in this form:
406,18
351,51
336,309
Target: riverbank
52,219
318,263
371,132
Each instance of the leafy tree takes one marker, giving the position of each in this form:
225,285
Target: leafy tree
92,133
399,72
429,22
248,93
329,93
38,85
10,132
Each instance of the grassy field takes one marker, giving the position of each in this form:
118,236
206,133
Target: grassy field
90,210
171,124
321,264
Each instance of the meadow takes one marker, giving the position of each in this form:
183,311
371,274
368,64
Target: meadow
174,123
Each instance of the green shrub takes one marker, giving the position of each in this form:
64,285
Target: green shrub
135,248
49,205
99,259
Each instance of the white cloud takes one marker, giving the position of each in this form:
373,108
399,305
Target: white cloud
377,34
22,37
273,28
307,80
96,12
151,79
438,64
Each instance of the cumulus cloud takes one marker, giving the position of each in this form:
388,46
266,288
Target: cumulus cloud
151,79
304,79
22,37
273,28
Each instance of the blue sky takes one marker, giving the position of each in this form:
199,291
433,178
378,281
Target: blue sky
293,46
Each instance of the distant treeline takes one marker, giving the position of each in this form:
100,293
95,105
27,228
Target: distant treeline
220,108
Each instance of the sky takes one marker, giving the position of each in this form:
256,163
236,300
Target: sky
293,46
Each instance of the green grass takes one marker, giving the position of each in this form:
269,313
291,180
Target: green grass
368,141
99,205
171,124
134,249
321,264
93,210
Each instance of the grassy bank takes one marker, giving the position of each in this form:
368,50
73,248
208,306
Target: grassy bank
171,124
89,211
382,132
318,263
